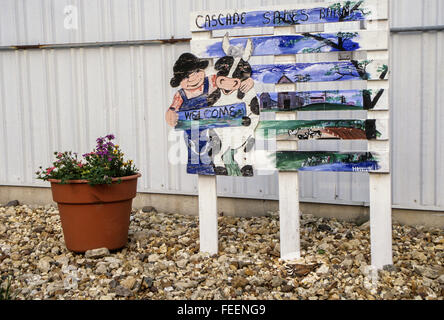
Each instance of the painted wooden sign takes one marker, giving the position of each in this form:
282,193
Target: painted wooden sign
323,129
327,100
321,71
331,161
294,44
219,113
310,13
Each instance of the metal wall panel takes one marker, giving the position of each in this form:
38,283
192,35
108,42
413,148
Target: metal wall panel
62,99
412,13
32,22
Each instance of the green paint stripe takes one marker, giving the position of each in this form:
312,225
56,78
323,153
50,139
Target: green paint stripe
269,128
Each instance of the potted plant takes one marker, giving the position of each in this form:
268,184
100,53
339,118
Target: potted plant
94,195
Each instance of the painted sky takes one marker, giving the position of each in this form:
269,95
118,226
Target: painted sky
306,72
278,45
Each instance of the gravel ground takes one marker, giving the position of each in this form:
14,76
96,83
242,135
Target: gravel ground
162,260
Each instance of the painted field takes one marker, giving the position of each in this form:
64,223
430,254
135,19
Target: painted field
340,11
330,100
323,129
294,44
321,71
330,161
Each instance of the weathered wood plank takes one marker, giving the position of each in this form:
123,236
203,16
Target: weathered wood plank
289,216
299,43
329,100
323,129
332,161
296,14
208,234
380,220
321,71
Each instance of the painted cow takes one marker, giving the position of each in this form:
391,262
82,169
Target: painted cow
233,146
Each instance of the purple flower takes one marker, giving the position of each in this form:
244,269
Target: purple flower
110,137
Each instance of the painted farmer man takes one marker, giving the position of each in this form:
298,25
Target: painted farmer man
195,87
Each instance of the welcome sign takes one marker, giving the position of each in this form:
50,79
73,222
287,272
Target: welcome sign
213,117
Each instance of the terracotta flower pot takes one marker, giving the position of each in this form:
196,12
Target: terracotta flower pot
95,216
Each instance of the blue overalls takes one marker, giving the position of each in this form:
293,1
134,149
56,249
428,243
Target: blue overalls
197,163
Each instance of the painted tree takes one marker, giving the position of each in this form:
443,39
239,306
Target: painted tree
302,78
370,103
344,42
352,69
359,67
348,9
384,70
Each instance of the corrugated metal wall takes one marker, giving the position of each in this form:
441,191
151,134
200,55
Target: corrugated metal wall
60,99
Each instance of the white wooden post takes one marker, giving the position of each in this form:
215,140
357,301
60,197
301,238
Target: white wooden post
380,201
380,220
289,215
289,222
208,234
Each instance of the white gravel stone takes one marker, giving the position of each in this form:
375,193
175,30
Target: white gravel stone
96,253
162,261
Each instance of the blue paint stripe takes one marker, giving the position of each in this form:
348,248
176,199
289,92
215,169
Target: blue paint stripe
308,72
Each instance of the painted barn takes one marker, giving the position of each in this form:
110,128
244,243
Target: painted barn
265,101
288,100
317,100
